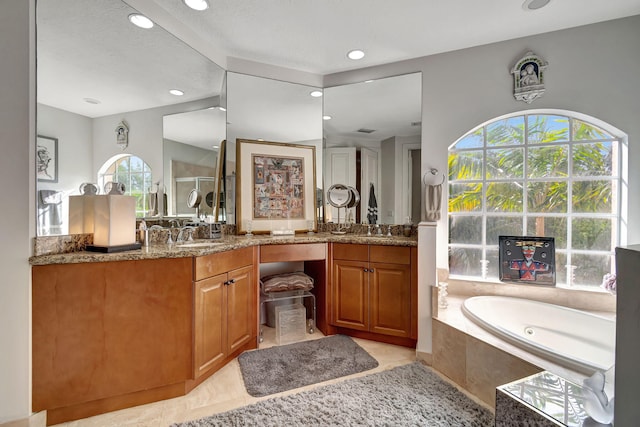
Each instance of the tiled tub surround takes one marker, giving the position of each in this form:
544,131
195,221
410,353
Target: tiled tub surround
479,361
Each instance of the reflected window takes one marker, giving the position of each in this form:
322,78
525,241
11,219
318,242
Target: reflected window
535,175
134,173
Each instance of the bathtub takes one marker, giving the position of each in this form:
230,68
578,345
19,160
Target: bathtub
572,338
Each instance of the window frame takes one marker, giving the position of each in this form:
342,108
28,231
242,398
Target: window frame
617,179
146,172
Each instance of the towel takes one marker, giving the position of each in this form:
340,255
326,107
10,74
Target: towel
50,208
433,200
372,209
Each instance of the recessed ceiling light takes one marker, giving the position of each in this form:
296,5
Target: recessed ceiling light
355,54
215,147
221,108
326,117
91,101
197,4
316,93
368,81
260,139
176,92
140,21
534,4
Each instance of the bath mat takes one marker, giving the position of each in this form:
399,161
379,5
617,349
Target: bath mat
286,367
409,395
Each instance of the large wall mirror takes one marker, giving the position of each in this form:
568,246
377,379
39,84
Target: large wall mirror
273,111
96,71
372,136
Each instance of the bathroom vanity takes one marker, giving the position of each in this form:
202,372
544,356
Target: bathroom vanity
117,330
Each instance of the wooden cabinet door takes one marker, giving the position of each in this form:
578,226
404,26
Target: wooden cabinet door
350,295
241,321
210,313
390,302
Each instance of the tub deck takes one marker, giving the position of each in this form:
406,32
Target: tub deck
454,317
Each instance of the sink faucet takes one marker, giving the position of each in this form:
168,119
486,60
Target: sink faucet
378,230
189,230
174,223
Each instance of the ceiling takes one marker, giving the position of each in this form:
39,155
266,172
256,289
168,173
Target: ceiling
88,49
315,35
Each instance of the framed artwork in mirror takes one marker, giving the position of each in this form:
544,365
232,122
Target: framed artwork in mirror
527,259
47,158
276,187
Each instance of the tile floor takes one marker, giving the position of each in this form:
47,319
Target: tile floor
225,390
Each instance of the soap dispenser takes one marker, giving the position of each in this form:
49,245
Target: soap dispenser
406,229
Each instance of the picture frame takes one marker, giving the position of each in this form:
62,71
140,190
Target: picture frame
47,159
276,187
527,260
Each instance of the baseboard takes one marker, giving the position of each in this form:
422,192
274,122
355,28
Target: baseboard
426,358
38,419
388,339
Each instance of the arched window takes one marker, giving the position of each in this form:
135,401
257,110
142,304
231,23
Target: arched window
134,173
535,175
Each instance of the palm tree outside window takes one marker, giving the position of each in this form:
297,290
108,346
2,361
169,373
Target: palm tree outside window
548,175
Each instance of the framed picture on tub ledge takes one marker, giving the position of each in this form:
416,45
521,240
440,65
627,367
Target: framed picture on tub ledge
528,260
276,184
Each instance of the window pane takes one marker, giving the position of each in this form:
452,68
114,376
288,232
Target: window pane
591,233
546,162
592,196
502,226
506,132
504,197
561,267
136,164
465,261
547,128
593,159
465,197
547,226
465,229
547,197
590,268
492,266
505,163
471,140
465,165
585,132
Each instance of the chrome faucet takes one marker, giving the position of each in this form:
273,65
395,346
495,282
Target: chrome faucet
174,223
378,230
189,230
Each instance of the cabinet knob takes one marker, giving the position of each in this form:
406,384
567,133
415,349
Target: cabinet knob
366,270
371,270
231,281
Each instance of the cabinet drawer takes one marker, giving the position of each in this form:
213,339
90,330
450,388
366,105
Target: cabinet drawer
390,254
293,252
351,252
210,265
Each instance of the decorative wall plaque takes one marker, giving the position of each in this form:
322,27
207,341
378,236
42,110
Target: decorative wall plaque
528,78
122,135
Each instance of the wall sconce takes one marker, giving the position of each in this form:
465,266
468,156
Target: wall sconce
111,218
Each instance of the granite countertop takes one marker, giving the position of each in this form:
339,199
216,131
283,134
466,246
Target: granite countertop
155,250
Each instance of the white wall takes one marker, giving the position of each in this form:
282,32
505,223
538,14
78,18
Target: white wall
592,70
17,173
75,150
